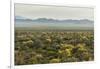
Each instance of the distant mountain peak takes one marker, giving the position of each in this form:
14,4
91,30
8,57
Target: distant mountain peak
51,20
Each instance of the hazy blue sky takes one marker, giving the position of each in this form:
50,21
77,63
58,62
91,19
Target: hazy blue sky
37,11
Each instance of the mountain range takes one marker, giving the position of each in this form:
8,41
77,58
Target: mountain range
51,23
50,20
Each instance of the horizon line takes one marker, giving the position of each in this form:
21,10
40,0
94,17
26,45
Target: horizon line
24,18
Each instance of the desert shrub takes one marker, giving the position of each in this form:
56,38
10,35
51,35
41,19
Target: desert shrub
53,47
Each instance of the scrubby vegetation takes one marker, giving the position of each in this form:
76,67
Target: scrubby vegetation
53,47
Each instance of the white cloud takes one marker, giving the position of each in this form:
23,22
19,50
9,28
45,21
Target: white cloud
39,11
